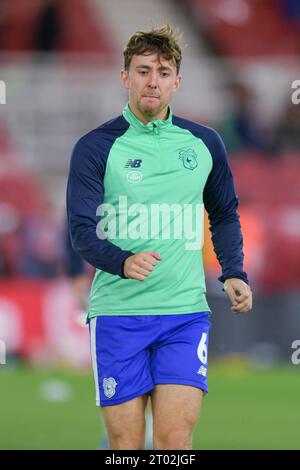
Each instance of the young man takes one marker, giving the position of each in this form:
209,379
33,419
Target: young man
136,190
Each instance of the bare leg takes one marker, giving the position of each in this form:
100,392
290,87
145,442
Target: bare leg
125,424
176,409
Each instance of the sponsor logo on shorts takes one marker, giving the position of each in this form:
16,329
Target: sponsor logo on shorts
109,386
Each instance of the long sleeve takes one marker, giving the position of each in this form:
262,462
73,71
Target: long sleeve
221,203
74,265
85,193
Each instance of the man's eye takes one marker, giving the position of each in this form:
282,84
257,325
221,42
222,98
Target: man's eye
165,74
143,72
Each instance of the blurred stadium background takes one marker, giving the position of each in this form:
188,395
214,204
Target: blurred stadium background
60,61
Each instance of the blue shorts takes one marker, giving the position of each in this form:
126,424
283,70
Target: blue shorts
132,354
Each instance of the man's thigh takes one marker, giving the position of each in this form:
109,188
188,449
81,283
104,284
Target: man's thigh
126,419
176,406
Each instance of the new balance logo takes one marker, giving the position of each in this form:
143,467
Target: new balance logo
202,371
133,163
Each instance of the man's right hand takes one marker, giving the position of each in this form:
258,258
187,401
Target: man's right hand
139,266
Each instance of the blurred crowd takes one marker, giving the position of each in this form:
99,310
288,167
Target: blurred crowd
32,235
30,245
242,129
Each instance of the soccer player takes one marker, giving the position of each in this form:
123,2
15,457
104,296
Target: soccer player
136,191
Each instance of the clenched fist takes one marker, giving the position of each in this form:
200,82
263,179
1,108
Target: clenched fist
240,295
139,266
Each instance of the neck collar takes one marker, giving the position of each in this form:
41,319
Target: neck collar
150,126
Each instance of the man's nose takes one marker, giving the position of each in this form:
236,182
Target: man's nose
152,81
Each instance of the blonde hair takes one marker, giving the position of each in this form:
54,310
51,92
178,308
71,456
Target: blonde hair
163,41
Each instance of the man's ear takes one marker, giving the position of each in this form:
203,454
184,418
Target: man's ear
177,82
125,78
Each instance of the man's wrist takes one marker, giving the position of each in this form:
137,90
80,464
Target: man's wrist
242,276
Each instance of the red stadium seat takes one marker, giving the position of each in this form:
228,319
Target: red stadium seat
246,28
80,31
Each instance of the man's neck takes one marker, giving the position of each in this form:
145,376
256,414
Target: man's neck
145,118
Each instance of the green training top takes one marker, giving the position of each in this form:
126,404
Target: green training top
135,187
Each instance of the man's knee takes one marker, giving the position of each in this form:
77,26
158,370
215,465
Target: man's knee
125,442
124,437
176,434
126,433
125,424
175,438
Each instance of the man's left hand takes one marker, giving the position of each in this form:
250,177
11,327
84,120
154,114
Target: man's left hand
240,295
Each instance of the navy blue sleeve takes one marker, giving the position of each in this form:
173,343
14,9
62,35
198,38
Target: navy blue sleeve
74,265
85,192
221,203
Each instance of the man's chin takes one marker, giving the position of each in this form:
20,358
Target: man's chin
150,110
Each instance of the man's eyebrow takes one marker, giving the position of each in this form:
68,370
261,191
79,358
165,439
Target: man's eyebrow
162,67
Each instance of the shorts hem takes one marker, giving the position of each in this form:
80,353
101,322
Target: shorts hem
176,381
124,399
91,315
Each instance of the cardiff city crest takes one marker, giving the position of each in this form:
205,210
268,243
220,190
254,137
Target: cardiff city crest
189,158
109,386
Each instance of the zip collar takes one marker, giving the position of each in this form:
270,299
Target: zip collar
152,126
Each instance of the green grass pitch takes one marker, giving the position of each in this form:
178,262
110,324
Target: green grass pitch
245,409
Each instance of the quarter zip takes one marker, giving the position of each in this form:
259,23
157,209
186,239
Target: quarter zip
154,130
158,151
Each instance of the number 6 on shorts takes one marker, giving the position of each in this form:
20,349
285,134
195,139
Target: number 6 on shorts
202,349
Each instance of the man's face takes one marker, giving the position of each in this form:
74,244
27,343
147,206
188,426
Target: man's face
151,85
